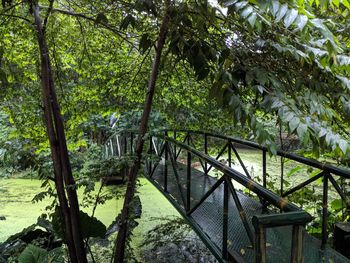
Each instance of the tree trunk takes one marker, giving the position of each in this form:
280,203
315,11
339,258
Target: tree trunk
63,174
123,224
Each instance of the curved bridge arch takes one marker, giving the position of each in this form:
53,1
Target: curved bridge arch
235,226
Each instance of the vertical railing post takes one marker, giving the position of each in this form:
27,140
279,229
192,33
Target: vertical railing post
206,152
229,153
111,144
282,175
225,223
297,244
166,148
342,200
188,184
118,146
264,168
264,178
325,211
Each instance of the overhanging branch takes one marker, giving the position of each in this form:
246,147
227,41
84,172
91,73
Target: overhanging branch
92,19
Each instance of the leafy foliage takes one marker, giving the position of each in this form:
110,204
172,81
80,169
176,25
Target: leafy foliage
34,254
90,226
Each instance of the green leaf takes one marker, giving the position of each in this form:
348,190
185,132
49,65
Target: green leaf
281,12
275,7
301,21
35,254
301,130
346,3
247,11
290,17
286,116
91,226
229,3
294,123
343,60
240,5
345,81
336,2
318,23
251,19
343,145
294,170
337,204
235,101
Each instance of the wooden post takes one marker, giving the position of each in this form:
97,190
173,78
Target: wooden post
260,244
342,238
297,245
229,154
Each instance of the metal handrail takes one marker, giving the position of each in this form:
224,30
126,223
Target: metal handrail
304,160
238,177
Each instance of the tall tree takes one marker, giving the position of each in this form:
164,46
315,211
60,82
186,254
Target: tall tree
132,175
64,180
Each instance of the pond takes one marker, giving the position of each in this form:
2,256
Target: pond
17,207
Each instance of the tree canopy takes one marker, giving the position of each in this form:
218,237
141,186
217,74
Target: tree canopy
285,62
249,67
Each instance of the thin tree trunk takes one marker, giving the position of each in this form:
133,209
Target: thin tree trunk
124,224
62,169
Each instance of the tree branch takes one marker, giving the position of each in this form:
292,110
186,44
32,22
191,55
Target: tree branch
47,15
19,17
92,19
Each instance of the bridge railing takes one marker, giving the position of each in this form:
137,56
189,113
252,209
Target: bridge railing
327,172
258,240
168,148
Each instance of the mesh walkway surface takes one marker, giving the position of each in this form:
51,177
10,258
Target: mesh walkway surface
209,218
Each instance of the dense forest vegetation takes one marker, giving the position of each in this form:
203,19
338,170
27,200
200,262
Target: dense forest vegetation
266,71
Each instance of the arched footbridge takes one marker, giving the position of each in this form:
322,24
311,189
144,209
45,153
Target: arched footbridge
231,205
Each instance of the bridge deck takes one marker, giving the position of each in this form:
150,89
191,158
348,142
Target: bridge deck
209,218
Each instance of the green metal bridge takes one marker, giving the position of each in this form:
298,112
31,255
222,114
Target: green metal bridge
237,218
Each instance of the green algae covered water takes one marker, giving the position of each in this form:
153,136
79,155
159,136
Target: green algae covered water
19,211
